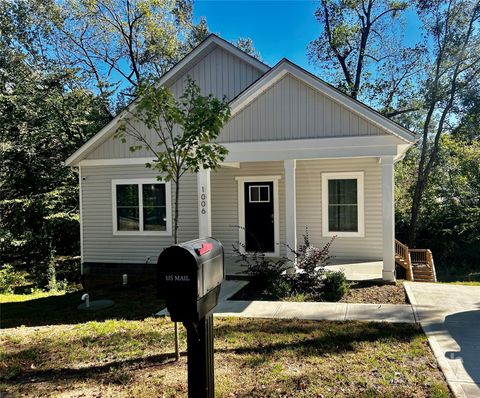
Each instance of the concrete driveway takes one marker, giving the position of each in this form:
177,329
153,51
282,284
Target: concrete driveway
450,317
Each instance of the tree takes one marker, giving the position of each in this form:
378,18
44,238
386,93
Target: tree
468,128
183,132
246,44
449,219
453,27
41,123
115,44
359,49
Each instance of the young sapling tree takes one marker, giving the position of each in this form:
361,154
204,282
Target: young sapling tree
179,133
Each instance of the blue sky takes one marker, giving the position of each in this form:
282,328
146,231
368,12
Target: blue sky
278,28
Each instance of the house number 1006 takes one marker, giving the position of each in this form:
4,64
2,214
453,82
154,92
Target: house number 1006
203,201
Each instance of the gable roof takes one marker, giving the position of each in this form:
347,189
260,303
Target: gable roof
269,77
283,67
205,47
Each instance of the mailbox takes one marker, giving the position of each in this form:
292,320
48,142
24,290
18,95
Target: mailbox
189,276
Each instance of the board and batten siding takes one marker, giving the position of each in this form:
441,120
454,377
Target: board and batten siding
219,73
99,243
309,206
291,109
224,200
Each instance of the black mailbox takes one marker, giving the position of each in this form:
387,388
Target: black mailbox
189,277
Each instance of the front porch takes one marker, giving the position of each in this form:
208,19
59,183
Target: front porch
298,191
355,270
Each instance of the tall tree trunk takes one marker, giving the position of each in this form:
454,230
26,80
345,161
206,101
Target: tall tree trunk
175,217
175,241
415,212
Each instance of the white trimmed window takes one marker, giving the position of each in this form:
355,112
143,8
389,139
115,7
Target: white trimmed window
141,207
342,204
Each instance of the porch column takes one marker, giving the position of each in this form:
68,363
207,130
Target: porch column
290,207
204,204
388,200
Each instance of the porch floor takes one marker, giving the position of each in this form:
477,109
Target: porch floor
355,270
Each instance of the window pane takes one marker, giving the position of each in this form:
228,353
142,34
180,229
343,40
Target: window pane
265,194
254,194
342,191
153,194
154,219
343,218
127,219
127,195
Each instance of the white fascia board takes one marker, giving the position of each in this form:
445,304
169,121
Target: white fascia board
284,67
165,79
115,161
320,148
315,148
134,161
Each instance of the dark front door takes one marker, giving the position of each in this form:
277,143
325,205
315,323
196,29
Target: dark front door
259,217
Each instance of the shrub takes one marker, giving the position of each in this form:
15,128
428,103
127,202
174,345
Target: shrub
335,286
11,278
267,273
310,267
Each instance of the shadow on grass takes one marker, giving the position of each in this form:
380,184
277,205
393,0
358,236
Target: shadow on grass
316,338
130,304
94,371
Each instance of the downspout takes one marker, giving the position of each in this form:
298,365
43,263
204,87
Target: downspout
80,194
79,172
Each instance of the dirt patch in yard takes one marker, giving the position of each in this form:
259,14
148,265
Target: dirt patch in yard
368,292
359,292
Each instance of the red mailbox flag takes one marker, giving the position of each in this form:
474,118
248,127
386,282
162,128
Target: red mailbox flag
206,247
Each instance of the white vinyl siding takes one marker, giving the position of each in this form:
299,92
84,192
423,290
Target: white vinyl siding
224,199
309,206
99,242
219,73
290,109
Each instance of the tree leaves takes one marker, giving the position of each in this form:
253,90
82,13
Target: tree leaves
178,132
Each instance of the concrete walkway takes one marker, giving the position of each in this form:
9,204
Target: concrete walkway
395,313
450,317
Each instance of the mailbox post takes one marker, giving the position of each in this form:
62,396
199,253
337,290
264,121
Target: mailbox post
189,277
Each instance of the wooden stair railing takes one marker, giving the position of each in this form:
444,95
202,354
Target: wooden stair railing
402,258
418,263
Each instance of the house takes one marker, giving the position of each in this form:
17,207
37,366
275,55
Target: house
301,154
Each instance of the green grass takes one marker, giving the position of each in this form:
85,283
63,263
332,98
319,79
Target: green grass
39,308
254,358
17,298
462,283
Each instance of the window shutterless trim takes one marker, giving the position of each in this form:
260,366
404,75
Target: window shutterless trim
140,182
357,175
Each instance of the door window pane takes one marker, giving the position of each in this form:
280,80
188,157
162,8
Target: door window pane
154,207
127,207
259,194
342,205
265,194
254,194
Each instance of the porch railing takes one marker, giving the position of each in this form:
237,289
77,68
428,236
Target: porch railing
402,258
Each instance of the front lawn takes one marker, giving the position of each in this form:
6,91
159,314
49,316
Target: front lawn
40,308
254,358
